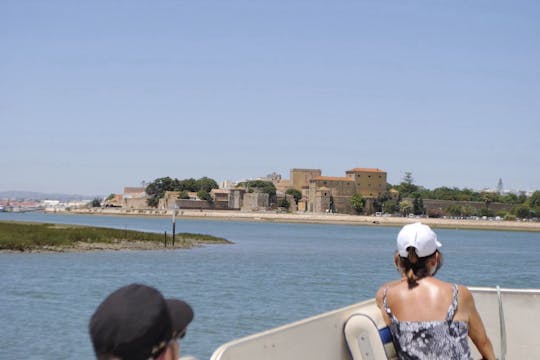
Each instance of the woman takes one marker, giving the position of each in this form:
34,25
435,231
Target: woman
429,318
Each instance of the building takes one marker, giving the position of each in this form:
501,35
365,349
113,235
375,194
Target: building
330,193
221,198
300,178
134,198
369,182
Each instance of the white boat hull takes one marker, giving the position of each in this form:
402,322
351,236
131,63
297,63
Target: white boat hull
510,317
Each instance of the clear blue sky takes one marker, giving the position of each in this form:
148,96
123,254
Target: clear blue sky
98,95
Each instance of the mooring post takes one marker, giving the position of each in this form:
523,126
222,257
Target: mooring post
165,239
173,225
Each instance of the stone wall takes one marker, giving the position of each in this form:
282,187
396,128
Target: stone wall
134,203
192,204
255,201
236,198
299,178
443,204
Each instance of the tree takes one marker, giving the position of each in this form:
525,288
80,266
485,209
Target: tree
418,205
204,195
407,188
296,194
156,189
184,195
357,203
468,210
510,199
263,186
284,203
96,202
390,206
206,184
522,211
380,201
405,207
500,186
408,178
534,200
187,185
488,198
453,210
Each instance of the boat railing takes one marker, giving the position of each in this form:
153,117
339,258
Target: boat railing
509,315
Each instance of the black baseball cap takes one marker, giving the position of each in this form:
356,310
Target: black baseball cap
136,322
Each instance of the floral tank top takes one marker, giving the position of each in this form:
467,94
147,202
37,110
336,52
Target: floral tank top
430,340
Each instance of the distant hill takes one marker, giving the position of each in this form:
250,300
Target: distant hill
31,195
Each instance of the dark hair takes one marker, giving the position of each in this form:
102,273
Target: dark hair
415,268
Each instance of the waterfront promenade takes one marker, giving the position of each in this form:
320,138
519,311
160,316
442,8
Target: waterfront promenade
272,216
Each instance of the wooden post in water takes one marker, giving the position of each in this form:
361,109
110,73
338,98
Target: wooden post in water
173,225
165,239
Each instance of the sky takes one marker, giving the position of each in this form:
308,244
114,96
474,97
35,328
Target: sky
98,95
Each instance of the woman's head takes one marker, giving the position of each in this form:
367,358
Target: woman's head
417,252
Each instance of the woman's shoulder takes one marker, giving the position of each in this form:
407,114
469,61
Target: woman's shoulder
465,296
386,286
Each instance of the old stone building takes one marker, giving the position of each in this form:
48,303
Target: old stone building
300,177
134,198
369,182
255,201
236,198
330,193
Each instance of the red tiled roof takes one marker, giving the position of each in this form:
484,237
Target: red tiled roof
365,170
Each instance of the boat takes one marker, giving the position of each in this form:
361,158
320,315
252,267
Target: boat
358,331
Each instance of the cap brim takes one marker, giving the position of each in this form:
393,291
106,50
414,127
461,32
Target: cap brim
181,315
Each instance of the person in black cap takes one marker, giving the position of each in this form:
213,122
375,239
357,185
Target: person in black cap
135,322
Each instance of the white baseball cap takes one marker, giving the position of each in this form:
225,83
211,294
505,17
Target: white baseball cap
419,236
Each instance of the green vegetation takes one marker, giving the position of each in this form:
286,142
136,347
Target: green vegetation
157,188
261,185
29,236
357,203
296,194
412,196
204,195
284,203
96,202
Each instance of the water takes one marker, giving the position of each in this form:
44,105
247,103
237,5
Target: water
272,275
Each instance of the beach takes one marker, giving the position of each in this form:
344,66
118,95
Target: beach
307,218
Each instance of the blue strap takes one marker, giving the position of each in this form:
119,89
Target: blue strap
386,335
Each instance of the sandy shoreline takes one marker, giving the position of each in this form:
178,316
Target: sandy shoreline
304,218
82,247
228,215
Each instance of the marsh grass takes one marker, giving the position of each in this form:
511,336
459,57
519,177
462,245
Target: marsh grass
27,236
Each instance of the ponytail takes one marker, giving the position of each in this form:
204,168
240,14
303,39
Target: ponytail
412,261
415,268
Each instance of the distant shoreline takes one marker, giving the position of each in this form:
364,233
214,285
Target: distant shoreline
309,218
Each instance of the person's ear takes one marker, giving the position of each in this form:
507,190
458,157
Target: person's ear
397,262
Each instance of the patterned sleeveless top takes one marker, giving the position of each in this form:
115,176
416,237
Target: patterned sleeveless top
430,340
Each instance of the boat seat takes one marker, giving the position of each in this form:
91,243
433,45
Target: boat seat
366,340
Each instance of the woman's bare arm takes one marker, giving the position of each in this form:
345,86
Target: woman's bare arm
477,332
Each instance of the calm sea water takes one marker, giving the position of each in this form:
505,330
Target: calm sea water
272,275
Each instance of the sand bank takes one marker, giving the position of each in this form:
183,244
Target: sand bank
267,216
